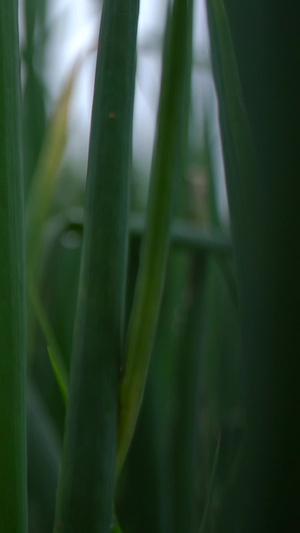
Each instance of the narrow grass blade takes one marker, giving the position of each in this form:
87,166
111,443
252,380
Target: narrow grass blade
60,377
150,281
205,517
86,486
44,181
55,355
13,494
40,200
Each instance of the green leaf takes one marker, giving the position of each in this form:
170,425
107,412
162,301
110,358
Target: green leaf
40,198
39,205
13,497
86,485
167,154
55,355
60,378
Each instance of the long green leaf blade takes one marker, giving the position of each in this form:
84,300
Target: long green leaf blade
60,376
13,495
86,487
45,177
150,281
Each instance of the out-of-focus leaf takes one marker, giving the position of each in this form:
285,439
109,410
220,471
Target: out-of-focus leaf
204,522
46,174
264,207
43,463
56,358
60,378
187,235
39,204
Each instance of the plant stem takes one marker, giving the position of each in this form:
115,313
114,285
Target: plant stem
86,486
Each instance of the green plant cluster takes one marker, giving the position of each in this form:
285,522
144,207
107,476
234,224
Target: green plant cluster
149,358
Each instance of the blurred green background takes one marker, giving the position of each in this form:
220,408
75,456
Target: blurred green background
185,452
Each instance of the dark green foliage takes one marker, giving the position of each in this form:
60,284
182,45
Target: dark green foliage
13,502
265,221
186,352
